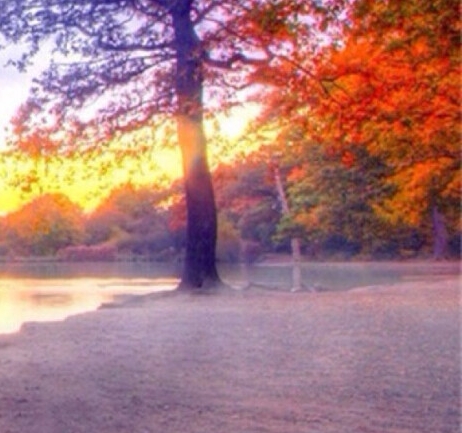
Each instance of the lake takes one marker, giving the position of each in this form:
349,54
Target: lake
38,291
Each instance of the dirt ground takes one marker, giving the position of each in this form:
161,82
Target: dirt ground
371,360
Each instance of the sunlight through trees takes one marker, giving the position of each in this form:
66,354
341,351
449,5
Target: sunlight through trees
359,103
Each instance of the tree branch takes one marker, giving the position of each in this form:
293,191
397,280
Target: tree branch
200,15
108,46
235,58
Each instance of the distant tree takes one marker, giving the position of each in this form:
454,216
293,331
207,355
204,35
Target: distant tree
44,225
246,195
131,218
333,195
104,224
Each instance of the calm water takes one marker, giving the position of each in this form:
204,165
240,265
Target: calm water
54,291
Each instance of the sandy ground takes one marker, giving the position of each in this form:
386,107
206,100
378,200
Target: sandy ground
372,360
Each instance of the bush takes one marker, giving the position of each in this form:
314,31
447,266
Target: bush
388,250
250,251
337,243
148,244
228,242
4,250
83,253
454,245
44,226
228,251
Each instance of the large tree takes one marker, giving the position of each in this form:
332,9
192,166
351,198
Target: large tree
134,60
124,62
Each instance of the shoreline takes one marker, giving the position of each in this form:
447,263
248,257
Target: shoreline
64,295
266,258
257,361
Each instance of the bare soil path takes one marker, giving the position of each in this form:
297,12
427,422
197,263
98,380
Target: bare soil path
376,360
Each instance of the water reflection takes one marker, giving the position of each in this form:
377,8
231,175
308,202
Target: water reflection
54,291
38,300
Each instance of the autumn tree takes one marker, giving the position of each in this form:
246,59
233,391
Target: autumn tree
141,59
333,196
403,99
136,59
389,85
44,225
248,200
132,219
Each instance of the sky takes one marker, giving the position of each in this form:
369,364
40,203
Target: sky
15,85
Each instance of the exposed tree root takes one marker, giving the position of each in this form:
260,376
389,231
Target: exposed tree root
216,288
209,286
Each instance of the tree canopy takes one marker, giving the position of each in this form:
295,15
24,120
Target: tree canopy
389,86
363,99
44,225
135,59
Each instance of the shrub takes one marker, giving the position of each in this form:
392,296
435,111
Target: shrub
228,242
339,244
250,251
83,253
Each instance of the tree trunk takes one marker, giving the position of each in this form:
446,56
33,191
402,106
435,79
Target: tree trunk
294,242
199,270
440,235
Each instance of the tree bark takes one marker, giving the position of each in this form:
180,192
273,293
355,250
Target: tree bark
199,269
440,235
294,242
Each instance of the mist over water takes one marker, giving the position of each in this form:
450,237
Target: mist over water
46,300
39,292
